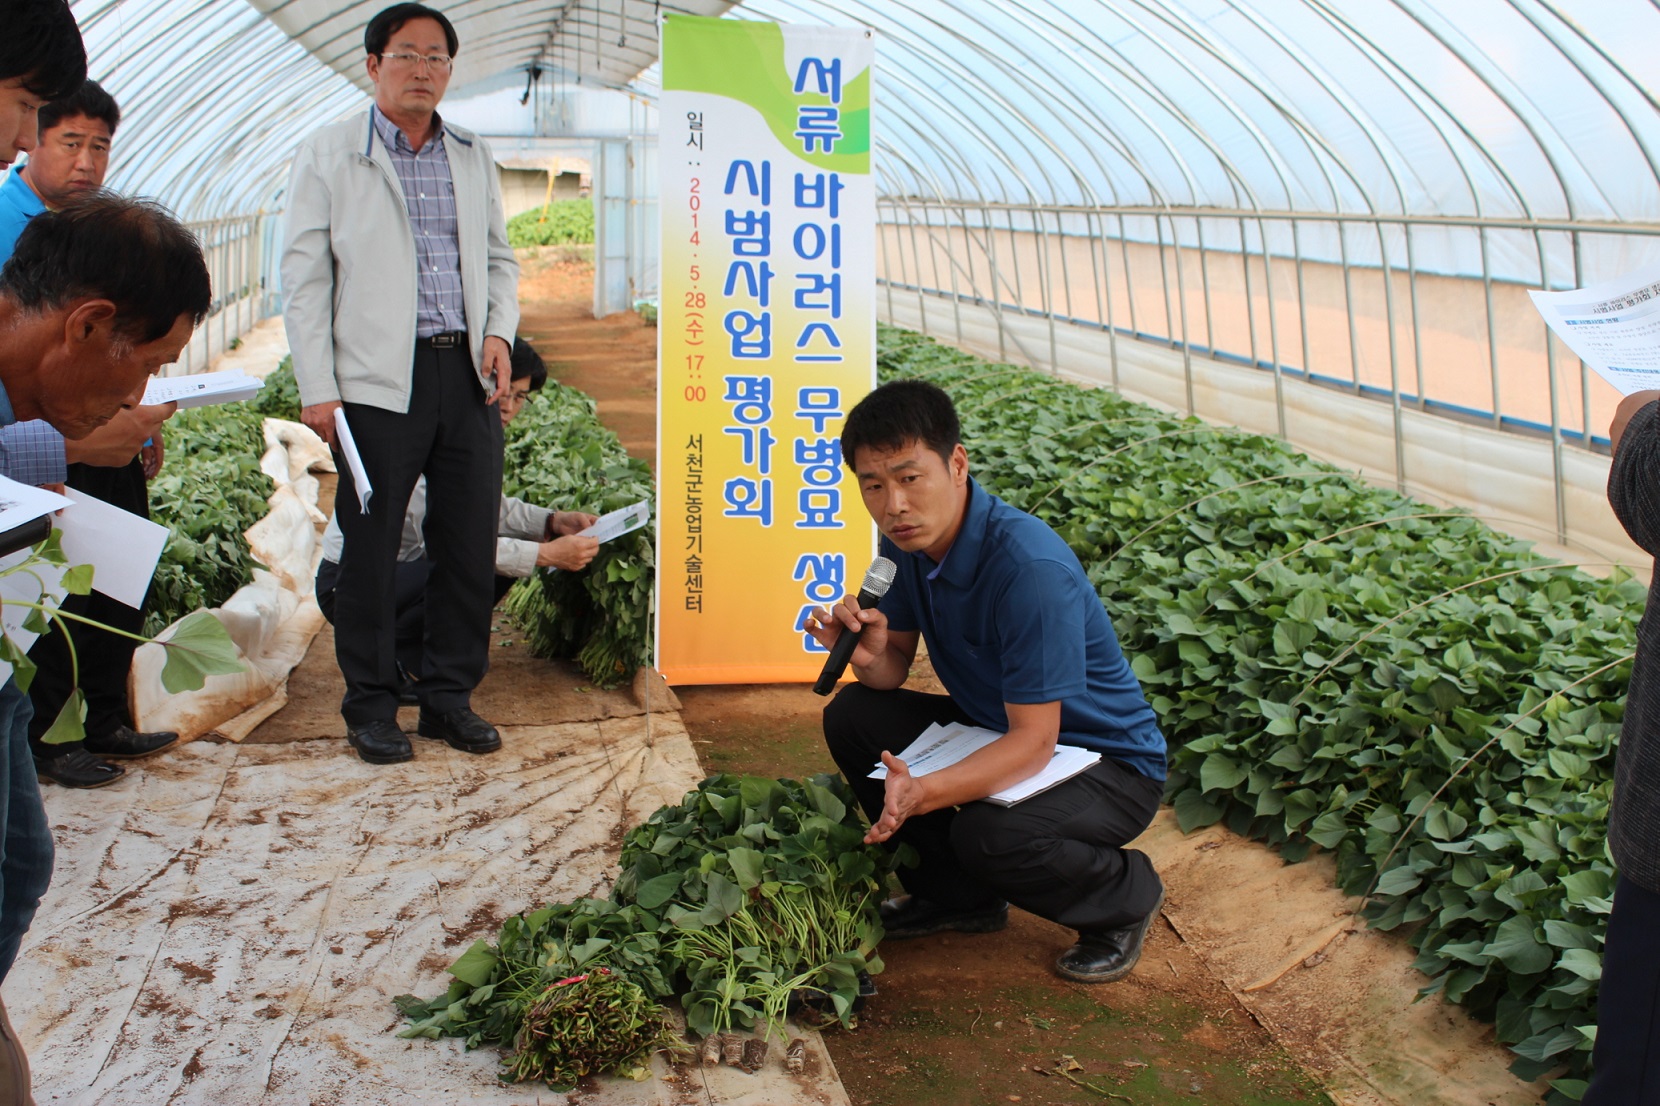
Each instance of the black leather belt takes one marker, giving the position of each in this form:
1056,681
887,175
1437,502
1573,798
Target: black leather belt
447,340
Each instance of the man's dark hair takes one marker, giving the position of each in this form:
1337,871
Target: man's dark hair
899,413
104,246
527,362
389,21
42,46
89,100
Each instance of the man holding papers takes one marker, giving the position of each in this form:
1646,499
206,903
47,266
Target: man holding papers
1024,648
527,538
401,302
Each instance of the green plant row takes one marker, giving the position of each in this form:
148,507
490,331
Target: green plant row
559,455
209,491
1339,666
747,894
558,223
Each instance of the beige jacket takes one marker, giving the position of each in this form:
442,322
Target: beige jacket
348,264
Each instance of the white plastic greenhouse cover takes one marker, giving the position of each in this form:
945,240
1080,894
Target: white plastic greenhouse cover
1495,109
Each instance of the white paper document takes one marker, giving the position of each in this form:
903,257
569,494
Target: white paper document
121,547
624,520
1614,327
348,449
202,389
20,503
942,746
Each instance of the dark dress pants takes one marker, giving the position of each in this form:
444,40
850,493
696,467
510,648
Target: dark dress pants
25,834
410,588
105,658
1625,1063
454,437
1059,854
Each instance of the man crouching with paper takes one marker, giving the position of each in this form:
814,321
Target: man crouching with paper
1025,649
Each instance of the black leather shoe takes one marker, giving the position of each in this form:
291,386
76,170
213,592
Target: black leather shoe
460,729
78,768
128,744
909,916
380,742
1105,955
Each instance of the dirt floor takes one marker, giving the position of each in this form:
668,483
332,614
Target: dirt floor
959,1020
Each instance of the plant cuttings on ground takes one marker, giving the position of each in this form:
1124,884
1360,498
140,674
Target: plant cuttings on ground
748,899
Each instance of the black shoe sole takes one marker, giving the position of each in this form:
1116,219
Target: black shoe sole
1124,969
456,743
379,758
984,923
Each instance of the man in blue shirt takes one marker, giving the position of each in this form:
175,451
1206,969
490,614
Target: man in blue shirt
1024,647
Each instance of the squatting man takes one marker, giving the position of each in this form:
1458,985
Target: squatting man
1024,647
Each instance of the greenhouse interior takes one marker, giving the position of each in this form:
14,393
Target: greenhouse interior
1305,341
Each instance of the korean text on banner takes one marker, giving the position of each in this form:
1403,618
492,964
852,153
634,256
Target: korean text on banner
767,336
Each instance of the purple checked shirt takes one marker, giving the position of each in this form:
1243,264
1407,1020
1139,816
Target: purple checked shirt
429,193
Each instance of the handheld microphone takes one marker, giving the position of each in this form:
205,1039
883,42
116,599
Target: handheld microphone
876,583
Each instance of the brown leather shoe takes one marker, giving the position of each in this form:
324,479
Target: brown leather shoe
14,1065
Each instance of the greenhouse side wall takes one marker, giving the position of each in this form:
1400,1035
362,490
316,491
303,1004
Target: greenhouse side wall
1506,478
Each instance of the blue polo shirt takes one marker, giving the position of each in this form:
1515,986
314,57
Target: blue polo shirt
18,204
1010,617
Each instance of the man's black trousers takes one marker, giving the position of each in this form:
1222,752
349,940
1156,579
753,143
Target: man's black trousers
1625,1064
105,658
454,437
410,600
1058,854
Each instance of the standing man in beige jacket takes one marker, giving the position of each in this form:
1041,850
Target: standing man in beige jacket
401,304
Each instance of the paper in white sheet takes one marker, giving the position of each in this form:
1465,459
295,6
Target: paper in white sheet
348,449
202,389
1614,327
21,503
942,746
624,520
121,547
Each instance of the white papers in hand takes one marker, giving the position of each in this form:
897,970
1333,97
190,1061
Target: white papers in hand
624,520
20,503
121,547
348,449
202,389
942,746
1614,327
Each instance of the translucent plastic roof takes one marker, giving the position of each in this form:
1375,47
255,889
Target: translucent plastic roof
608,41
1529,109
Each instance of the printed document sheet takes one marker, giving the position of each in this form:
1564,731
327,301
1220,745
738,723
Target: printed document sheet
624,520
121,547
942,746
1614,327
354,461
202,389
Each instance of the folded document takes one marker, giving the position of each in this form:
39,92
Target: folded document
942,746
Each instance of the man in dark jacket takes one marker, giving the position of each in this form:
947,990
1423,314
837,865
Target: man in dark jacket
1626,1061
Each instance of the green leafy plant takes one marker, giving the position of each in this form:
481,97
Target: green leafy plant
197,648
1340,667
279,397
748,894
558,454
557,223
209,491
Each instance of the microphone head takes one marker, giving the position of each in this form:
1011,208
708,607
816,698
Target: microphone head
879,577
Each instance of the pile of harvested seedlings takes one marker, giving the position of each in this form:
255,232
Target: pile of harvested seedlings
749,897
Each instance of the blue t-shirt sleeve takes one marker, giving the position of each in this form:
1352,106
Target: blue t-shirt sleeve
899,604
1041,634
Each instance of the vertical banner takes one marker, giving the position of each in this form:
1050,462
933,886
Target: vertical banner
766,337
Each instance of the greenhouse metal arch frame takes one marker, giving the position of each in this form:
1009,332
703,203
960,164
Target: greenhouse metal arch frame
1345,192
